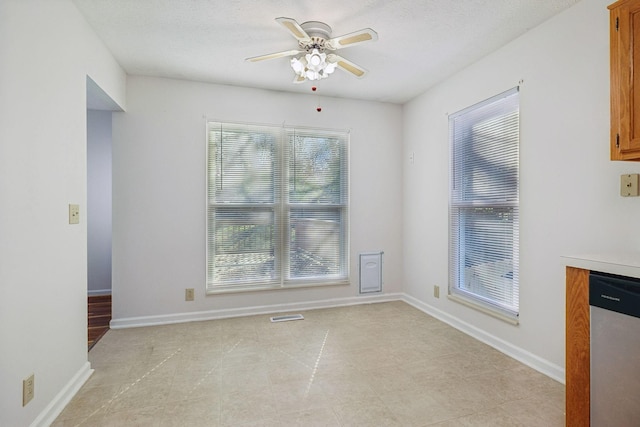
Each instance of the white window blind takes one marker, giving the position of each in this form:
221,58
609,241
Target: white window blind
277,207
317,205
484,198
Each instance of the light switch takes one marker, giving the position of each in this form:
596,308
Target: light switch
629,185
74,214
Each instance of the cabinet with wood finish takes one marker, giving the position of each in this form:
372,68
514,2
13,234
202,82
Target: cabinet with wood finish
625,79
577,376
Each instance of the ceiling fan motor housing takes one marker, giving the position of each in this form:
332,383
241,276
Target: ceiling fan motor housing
319,33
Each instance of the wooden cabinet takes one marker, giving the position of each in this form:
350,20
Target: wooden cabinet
578,348
625,79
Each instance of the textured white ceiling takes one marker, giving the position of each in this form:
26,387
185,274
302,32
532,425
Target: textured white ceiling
420,41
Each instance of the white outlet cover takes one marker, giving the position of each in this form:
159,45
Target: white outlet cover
74,214
629,185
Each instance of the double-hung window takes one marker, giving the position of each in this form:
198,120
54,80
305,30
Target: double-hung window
483,207
278,203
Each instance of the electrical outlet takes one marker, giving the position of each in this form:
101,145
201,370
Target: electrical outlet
189,294
436,291
28,389
74,214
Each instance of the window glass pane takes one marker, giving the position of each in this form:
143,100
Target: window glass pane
487,268
485,152
242,247
487,157
317,244
316,169
242,165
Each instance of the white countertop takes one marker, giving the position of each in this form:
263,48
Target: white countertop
624,264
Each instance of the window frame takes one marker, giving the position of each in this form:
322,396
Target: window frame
490,295
281,208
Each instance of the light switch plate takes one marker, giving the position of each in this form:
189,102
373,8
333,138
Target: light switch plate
28,387
74,214
629,185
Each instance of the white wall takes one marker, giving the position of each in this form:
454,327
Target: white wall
569,196
159,167
46,52
99,201
569,190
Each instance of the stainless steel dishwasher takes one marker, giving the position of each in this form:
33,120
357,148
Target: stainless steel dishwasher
615,350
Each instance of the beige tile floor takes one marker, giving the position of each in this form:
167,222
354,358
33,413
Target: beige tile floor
384,364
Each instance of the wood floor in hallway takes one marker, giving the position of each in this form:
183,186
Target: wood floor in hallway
99,316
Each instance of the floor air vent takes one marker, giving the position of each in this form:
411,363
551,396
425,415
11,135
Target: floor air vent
287,317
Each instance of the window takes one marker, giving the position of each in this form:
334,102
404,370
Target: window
483,208
277,207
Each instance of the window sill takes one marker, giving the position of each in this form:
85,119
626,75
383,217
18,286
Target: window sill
216,290
484,309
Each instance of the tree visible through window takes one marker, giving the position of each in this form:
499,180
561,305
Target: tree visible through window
277,201
484,200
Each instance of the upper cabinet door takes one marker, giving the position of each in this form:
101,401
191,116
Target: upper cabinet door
625,79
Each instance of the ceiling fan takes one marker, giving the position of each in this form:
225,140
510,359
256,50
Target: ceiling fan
314,41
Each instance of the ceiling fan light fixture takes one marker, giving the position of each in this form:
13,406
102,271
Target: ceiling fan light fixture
298,65
315,59
313,65
330,68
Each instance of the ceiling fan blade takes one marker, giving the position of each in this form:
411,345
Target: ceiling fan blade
275,55
346,65
294,28
352,39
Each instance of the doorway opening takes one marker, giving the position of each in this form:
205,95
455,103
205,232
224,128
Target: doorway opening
100,108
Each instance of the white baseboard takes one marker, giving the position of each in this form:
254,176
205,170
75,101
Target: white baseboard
541,365
55,407
96,292
166,319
